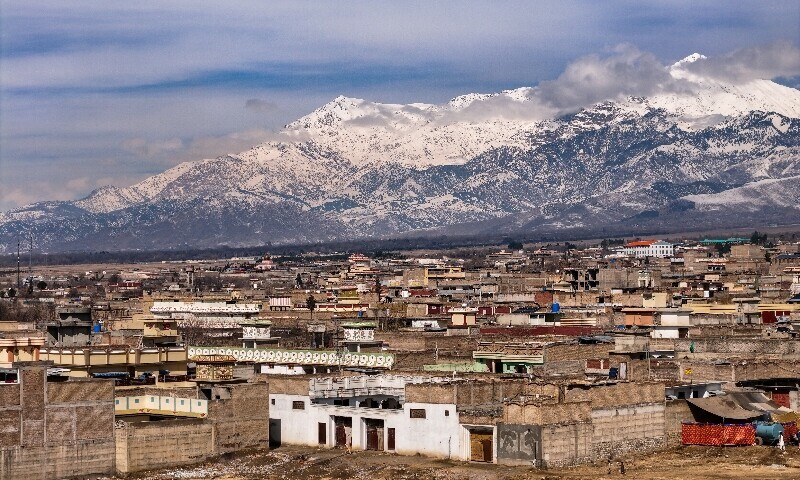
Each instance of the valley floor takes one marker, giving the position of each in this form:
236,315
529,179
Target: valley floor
304,463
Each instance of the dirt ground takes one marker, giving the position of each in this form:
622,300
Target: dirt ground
302,463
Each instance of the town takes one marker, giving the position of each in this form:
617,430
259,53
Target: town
538,355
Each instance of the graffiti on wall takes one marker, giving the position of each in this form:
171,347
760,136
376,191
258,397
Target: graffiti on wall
519,442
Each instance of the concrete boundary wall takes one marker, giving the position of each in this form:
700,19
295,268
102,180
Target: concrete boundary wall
168,443
81,458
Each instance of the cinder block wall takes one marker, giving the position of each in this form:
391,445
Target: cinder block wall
634,428
566,444
169,443
55,430
241,421
675,413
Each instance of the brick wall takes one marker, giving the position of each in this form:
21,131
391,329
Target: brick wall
55,461
169,443
739,346
55,429
566,445
79,390
177,392
576,352
547,413
675,413
289,385
9,395
618,395
241,421
415,341
633,428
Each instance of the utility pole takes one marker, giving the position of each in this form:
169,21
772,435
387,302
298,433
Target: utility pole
337,344
19,284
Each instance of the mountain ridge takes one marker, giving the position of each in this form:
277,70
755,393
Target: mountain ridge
353,169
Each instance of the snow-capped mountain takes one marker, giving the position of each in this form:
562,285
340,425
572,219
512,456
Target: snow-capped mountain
481,162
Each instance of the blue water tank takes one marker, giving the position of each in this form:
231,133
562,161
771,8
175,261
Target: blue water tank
360,313
97,328
556,308
769,432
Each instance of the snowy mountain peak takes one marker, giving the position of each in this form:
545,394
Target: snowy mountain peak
690,59
331,114
463,101
354,168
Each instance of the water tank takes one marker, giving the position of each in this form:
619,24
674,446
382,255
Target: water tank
556,308
97,328
769,432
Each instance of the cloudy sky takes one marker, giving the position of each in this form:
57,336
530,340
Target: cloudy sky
96,93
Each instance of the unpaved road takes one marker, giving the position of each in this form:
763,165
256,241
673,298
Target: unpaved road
301,463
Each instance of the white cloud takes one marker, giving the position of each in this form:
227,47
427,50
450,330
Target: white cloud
124,90
144,148
260,105
760,62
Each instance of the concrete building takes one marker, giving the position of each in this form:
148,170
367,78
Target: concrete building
86,361
365,413
162,428
649,248
72,327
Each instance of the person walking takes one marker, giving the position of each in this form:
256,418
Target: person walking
781,444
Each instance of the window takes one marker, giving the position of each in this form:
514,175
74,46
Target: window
417,413
272,401
298,405
135,400
447,413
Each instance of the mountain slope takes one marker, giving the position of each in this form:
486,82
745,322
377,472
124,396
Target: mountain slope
506,162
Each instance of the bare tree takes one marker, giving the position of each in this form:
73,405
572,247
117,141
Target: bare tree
191,330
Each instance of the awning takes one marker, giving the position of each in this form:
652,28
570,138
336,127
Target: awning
724,408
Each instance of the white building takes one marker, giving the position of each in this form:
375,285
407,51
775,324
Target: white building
211,313
370,413
649,248
672,323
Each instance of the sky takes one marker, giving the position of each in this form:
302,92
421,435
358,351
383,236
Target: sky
100,93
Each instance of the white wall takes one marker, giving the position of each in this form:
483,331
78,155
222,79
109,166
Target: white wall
437,435
664,332
675,319
282,370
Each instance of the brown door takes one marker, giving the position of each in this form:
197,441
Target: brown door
374,434
322,433
487,450
341,435
480,446
390,440
372,438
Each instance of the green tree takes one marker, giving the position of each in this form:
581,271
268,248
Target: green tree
311,304
514,245
758,238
